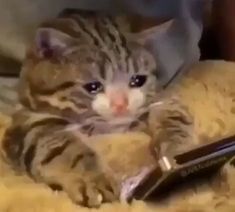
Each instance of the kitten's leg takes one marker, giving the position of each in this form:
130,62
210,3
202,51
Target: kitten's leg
58,158
172,129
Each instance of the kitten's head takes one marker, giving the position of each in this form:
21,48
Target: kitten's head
113,78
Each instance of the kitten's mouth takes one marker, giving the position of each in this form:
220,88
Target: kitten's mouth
121,114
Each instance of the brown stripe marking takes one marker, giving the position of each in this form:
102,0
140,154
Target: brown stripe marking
29,156
60,87
55,152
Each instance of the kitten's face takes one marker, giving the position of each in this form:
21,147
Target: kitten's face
121,90
85,81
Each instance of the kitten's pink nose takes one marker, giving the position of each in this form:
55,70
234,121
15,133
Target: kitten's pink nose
119,104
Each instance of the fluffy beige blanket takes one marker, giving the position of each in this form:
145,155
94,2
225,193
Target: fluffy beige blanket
20,194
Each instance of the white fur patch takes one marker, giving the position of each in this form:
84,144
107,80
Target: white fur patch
101,104
136,99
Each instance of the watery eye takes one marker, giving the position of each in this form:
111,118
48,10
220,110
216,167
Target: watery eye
93,87
137,81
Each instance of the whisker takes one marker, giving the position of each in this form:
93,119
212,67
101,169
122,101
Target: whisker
96,119
156,104
146,109
73,127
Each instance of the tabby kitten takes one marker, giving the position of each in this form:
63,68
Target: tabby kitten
82,77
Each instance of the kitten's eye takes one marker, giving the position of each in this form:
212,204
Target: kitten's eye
93,87
137,81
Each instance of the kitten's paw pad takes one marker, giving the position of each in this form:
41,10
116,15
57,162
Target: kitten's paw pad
92,193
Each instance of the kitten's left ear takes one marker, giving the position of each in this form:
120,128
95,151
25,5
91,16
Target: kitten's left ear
174,45
52,43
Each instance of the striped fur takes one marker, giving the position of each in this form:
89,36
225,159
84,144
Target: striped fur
46,138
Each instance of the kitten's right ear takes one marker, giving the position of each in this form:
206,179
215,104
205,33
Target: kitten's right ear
52,43
148,36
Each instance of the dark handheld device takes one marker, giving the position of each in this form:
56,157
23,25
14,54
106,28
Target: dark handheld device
197,162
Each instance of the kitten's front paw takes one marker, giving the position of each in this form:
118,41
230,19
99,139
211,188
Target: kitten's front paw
170,147
92,193
175,147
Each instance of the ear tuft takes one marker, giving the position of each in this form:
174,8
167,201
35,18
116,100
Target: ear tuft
52,43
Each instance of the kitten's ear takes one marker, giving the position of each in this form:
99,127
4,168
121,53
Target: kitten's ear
146,37
51,42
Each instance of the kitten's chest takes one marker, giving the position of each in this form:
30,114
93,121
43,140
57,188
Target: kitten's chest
138,125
